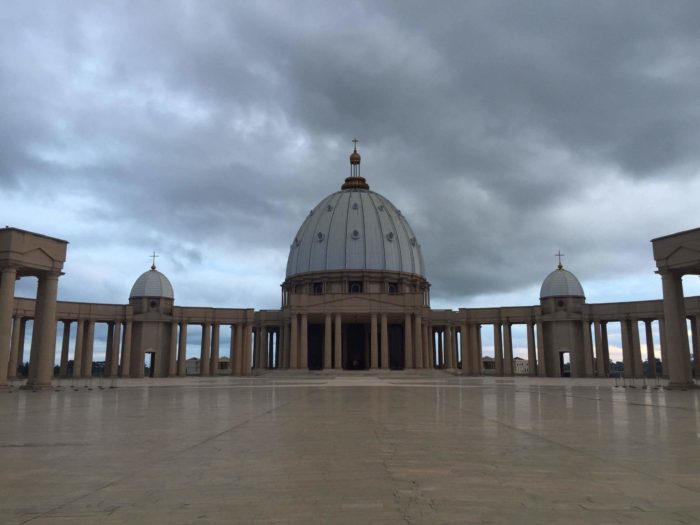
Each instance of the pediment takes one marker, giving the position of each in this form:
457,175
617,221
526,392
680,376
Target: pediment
38,257
683,256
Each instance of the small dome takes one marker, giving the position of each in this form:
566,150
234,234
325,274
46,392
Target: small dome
152,284
355,157
561,283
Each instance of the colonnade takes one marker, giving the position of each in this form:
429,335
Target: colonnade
294,348
240,349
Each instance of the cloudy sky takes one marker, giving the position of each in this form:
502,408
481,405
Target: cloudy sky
206,131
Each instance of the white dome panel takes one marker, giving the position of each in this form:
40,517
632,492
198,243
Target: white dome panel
561,283
355,229
152,284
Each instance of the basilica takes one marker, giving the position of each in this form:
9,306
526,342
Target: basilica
356,296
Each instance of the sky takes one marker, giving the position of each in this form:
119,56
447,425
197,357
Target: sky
206,131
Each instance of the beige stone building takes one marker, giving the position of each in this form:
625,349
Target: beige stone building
355,297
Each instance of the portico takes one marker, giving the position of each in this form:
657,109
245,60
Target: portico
27,254
677,255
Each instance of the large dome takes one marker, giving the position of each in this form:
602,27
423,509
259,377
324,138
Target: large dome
355,229
152,284
561,283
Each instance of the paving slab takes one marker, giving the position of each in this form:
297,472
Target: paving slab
294,447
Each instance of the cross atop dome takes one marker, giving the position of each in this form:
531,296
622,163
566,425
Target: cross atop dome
153,256
559,255
355,180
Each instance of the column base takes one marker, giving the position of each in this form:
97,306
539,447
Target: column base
681,386
37,386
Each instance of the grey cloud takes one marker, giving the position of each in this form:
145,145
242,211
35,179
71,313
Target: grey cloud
211,130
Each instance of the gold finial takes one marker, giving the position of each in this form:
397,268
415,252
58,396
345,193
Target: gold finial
355,156
559,255
153,256
355,180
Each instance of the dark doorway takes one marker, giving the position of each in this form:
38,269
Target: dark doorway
565,364
149,369
396,353
355,354
315,347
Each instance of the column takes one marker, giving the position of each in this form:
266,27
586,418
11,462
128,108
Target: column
17,335
678,352
283,346
328,342
587,349
214,365
449,348
232,351
498,348
627,360
599,364
407,342
204,350
531,350
88,345
465,345
695,328
109,350
605,348
541,363
304,360
427,360
384,344
247,349
46,347
256,347
338,347
373,343
440,355
65,348
479,353
651,358
294,347
7,303
238,350
126,350
662,350
507,349
116,338
260,343
418,340
172,350
636,349
78,349
182,350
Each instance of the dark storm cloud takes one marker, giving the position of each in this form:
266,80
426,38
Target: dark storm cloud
212,128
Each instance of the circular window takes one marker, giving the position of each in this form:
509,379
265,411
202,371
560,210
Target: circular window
390,236
355,206
320,236
154,304
355,234
560,304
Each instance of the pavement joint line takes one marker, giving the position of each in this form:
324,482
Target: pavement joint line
565,447
164,459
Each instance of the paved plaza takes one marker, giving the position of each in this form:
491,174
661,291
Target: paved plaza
354,448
